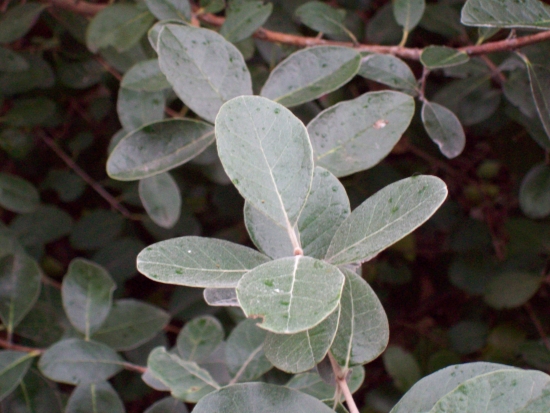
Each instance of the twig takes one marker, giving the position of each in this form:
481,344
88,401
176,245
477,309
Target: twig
10,346
89,180
134,367
497,74
538,325
342,384
77,6
109,68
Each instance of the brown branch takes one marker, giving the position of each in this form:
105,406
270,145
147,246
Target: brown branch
341,382
80,7
10,346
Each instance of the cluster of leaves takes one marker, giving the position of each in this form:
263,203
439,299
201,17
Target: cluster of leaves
293,323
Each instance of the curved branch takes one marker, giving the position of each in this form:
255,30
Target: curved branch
80,7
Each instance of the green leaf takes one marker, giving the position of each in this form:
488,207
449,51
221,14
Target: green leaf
326,207
12,62
511,289
118,257
408,13
204,78
529,14
389,70
81,74
94,397
68,185
296,353
505,391
118,25
185,379
297,293
402,367
96,229
221,297
76,361
534,193
363,330
444,129
266,152
468,336
161,198
242,19
17,194
322,18
136,108
30,112
19,288
539,77
435,57
42,226
199,338
158,147
310,73
145,77
198,262
39,76
18,20
244,352
212,6
385,218
442,18
355,135
87,292
314,385
167,405
130,324
426,392
13,367
170,9
264,397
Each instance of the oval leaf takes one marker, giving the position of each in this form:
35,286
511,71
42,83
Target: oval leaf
511,289
95,397
357,134
315,385
389,70
408,13
444,129
161,198
137,108
307,74
534,193
199,338
529,14
322,17
402,367
170,9
539,78
435,57
13,367
204,78
11,61
167,405
296,293
385,218
243,18
198,262
18,20
158,147
17,194
146,77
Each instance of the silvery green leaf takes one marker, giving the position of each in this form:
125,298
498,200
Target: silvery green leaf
130,324
264,397
511,289
322,17
13,367
185,379
11,61
296,353
198,262
385,218
76,361
529,14
290,294
158,147
167,405
444,129
42,226
221,297
534,192
199,338
408,13
87,292
265,150
389,70
426,392
19,287
443,19
326,207
309,73
145,77
154,32
137,108
161,198
170,9
244,354
402,367
243,18
435,57
363,329
314,385
94,397
18,20
17,194
204,78
539,77
357,134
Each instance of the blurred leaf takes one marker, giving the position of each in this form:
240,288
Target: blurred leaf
18,20
511,289
19,288
441,359
471,271
81,74
314,385
363,330
170,9
95,229
201,80
16,142
76,361
310,73
199,338
118,257
242,19
289,302
536,354
198,262
39,75
87,292
389,70
212,6
138,108
11,61
517,91
13,367
30,112
161,199
17,194
485,33
529,14
68,185
322,17
95,397
158,147
146,77
505,340
444,129
443,19
382,28
374,123
244,352
435,57
167,405
118,25
468,336
539,77
534,193
408,13
402,367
